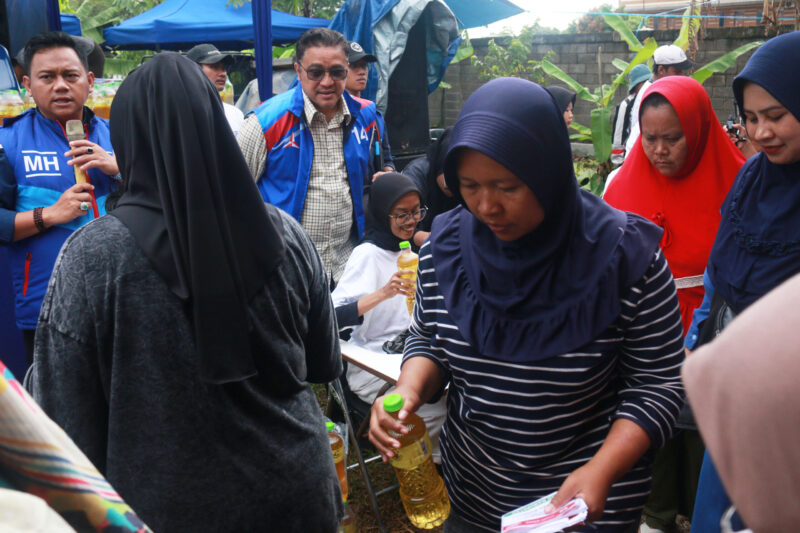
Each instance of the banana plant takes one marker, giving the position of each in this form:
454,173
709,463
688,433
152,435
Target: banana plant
602,98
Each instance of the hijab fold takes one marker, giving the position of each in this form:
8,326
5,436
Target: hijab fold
559,287
758,243
686,205
193,208
383,194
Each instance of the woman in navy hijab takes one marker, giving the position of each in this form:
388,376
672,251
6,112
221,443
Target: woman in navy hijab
758,242
551,316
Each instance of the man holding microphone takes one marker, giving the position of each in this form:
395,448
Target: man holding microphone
50,185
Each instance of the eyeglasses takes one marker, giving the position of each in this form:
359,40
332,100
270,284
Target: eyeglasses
404,218
317,73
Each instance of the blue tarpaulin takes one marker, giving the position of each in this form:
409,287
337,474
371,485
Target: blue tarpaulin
180,24
471,14
71,24
381,27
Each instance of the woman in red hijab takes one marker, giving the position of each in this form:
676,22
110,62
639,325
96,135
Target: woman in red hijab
677,176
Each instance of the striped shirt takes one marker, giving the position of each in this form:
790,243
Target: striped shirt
514,431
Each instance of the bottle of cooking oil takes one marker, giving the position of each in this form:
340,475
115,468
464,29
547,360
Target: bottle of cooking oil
337,447
408,260
421,487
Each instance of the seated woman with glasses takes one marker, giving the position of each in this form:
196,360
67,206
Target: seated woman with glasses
371,295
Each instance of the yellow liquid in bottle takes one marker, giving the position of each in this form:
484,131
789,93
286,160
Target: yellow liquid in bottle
337,447
422,489
408,260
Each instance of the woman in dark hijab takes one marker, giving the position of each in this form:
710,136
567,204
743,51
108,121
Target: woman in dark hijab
179,334
370,297
757,246
553,318
566,101
428,173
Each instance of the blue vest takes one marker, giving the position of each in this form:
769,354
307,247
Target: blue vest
290,151
34,147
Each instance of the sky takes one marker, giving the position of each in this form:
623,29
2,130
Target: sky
545,10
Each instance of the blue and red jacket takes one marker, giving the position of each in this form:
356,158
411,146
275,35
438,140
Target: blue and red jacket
34,173
290,151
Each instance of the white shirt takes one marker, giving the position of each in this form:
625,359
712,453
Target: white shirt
234,116
368,269
637,103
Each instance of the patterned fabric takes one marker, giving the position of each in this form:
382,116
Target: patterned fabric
328,212
254,148
37,457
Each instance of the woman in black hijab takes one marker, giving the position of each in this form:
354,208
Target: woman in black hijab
179,334
566,101
371,295
428,173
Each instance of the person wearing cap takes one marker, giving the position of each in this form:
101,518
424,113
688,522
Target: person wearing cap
380,160
668,60
309,148
41,204
214,63
622,119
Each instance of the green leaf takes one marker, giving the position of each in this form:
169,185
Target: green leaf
555,72
689,26
601,133
626,34
723,63
642,56
579,137
619,63
581,129
444,85
464,51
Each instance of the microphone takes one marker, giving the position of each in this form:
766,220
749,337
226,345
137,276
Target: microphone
75,132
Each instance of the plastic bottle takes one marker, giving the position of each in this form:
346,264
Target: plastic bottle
348,523
421,487
227,92
337,447
408,260
102,103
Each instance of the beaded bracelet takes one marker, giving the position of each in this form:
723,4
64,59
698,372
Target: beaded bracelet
37,219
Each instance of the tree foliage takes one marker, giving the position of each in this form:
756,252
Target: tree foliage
325,9
96,15
511,57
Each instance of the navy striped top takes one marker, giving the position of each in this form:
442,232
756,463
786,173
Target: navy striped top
515,431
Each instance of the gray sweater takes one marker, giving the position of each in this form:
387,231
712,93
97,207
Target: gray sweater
115,366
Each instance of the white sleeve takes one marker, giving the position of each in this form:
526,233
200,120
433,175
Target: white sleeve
361,276
634,134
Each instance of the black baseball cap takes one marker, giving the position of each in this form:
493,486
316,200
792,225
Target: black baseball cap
355,53
206,54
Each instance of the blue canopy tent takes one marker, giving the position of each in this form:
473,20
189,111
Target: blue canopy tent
71,24
180,24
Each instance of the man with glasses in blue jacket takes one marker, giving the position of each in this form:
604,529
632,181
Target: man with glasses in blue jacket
308,148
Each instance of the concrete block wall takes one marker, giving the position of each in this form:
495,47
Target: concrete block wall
577,55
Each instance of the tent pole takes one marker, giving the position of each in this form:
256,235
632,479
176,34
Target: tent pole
262,33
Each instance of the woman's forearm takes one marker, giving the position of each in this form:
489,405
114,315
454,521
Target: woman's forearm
625,444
